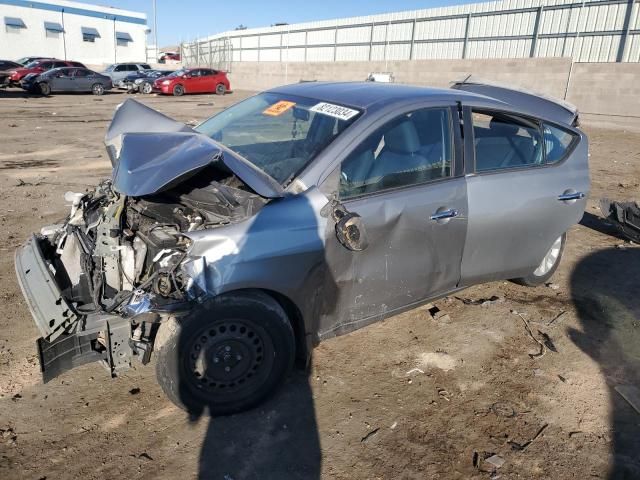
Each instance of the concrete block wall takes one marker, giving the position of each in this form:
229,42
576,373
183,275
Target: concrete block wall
603,92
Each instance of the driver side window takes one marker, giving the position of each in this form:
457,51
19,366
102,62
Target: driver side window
411,149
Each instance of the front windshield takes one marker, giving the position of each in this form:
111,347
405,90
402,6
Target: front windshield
33,64
280,134
177,73
109,68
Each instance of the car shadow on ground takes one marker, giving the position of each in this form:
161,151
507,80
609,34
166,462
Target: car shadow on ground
606,293
278,439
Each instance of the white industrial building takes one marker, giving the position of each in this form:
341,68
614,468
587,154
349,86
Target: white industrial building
73,31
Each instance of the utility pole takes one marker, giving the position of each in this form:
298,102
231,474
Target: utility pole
155,31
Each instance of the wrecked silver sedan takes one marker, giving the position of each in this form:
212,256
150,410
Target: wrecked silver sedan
229,250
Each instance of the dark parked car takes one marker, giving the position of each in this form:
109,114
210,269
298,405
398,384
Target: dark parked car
301,213
8,65
40,66
193,80
67,79
142,81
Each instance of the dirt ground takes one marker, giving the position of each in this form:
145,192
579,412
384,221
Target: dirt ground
412,397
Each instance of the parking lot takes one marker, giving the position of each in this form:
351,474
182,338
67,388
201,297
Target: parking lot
431,393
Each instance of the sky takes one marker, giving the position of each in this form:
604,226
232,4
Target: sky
183,20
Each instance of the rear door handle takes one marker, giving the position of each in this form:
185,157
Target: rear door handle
570,196
444,214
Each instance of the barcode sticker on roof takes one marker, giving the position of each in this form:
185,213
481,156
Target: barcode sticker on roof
336,111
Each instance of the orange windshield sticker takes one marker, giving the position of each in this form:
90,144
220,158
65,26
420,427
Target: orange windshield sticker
278,108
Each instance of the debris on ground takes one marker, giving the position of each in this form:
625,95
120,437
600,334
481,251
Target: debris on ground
556,318
521,447
438,314
370,435
543,348
495,460
483,302
631,394
625,216
503,409
552,286
546,339
134,391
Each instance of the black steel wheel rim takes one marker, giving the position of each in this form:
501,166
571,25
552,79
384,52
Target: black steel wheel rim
228,356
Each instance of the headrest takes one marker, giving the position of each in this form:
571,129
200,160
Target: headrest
402,138
502,129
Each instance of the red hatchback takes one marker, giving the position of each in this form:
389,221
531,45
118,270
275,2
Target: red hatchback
193,80
40,66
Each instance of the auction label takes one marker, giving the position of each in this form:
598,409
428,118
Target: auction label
278,108
337,111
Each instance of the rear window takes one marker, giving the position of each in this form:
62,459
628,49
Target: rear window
505,141
558,142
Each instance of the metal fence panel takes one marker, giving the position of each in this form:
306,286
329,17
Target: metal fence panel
587,31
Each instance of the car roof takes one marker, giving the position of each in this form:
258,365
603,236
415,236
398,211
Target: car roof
365,94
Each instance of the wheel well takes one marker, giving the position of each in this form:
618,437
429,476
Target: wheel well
297,323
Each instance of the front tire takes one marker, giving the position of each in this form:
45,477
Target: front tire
147,88
44,88
226,356
547,267
97,89
178,91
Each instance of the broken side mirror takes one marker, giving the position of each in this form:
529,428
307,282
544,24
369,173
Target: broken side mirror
350,229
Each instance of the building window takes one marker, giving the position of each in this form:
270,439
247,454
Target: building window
53,29
13,24
123,39
89,34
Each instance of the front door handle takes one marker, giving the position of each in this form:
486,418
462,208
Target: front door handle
444,214
571,196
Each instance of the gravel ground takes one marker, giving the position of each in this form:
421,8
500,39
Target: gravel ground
412,397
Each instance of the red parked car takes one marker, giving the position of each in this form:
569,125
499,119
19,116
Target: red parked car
40,66
193,80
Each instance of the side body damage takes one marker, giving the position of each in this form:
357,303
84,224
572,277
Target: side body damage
230,247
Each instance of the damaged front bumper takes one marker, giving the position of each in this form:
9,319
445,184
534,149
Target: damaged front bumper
70,339
62,346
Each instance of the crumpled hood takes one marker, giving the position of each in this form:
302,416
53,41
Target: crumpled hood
151,152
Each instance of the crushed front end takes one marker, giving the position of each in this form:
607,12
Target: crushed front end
100,284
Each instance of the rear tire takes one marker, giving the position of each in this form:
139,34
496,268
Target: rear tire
221,89
547,267
226,356
97,89
44,88
178,91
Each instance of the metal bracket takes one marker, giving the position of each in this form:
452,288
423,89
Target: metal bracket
119,351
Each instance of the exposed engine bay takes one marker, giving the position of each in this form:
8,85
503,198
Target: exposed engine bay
116,261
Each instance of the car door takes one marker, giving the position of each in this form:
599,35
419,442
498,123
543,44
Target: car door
84,79
208,80
522,195
194,83
402,181
62,81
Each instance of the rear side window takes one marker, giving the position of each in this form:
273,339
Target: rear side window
557,143
411,149
504,141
